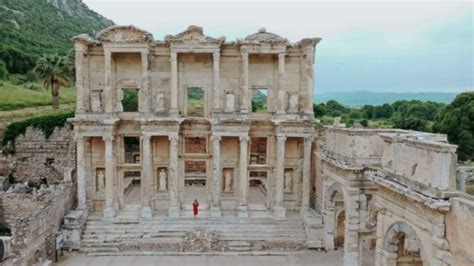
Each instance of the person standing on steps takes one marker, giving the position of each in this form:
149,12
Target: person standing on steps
195,208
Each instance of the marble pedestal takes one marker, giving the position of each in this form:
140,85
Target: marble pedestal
243,212
109,212
216,212
146,212
173,212
279,212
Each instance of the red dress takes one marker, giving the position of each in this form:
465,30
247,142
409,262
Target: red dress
195,208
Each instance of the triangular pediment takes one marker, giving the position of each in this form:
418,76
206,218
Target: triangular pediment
124,34
193,34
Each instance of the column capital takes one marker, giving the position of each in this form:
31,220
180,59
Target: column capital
308,139
79,138
108,137
281,138
174,56
216,137
244,138
145,137
173,137
281,55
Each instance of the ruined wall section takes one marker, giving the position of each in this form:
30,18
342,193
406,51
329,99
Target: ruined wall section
460,230
53,158
34,220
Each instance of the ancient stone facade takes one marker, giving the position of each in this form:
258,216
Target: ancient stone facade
223,144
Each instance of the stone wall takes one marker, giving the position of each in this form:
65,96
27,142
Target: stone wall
34,219
38,157
460,230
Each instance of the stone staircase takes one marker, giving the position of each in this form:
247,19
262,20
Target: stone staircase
186,235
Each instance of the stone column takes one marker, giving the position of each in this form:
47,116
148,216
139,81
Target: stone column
306,186
215,84
244,83
108,91
309,60
351,228
173,178
147,177
279,210
281,84
145,94
216,176
81,173
80,50
244,177
109,211
174,84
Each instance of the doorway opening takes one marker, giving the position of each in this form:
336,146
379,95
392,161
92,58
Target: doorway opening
132,187
195,177
258,190
340,228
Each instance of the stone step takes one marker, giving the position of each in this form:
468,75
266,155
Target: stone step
238,244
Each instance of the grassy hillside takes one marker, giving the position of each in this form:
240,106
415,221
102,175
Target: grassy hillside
360,98
30,28
15,96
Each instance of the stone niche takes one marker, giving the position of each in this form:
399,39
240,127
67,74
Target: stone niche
100,179
162,179
228,181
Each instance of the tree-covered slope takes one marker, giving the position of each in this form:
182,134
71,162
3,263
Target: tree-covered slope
30,28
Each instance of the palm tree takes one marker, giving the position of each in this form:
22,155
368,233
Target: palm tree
54,71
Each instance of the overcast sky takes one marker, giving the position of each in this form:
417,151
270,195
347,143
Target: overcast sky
398,46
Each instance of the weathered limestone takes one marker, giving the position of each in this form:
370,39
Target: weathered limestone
216,176
109,211
147,176
81,174
174,177
308,141
279,210
174,84
244,178
215,82
244,82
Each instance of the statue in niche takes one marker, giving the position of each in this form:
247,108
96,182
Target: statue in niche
229,102
288,181
162,179
228,181
100,180
160,101
96,101
293,103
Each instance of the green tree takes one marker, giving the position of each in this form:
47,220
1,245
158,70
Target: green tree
368,111
383,111
3,70
319,109
334,108
457,121
54,71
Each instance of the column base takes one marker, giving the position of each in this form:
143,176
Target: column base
174,212
174,112
109,212
243,212
216,212
146,212
279,212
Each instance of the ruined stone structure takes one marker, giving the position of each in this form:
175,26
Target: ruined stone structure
52,158
393,192
161,123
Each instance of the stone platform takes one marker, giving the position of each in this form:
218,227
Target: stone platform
186,235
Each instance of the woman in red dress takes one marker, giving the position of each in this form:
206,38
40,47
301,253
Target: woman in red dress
195,208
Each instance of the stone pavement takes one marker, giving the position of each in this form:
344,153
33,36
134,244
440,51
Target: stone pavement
306,258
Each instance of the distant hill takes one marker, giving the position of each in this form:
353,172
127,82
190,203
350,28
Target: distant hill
360,98
30,28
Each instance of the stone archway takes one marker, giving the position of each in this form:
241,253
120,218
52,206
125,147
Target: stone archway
334,217
401,247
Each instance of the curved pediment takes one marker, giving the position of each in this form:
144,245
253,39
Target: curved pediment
124,34
263,36
193,34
